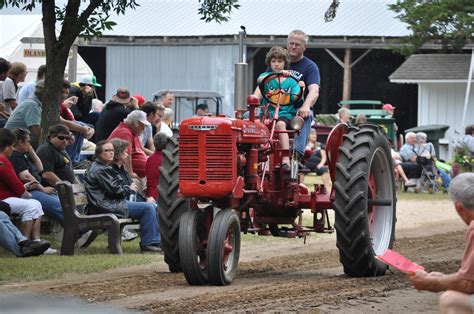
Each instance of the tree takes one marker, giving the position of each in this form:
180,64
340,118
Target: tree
449,23
90,18
87,18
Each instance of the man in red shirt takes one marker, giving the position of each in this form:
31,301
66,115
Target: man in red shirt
153,165
458,295
130,130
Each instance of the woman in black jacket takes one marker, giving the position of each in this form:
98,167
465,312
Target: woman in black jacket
108,193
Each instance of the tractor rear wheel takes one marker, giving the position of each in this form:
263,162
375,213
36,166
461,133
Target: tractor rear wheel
170,205
192,247
365,203
223,247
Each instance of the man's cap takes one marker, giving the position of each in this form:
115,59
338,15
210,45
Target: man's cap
140,99
89,79
137,115
122,96
388,107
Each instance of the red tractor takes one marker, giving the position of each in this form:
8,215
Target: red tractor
229,179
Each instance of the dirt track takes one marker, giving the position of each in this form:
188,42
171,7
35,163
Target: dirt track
288,275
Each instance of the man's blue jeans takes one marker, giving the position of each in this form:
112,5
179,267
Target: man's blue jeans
51,205
302,139
74,150
10,236
146,215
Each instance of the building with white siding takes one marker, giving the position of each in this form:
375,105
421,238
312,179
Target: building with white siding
442,86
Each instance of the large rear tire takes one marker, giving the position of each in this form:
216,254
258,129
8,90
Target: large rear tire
193,247
365,203
170,205
224,247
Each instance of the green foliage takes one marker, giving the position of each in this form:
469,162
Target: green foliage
449,23
217,10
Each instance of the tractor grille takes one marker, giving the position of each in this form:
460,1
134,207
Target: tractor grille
188,157
219,157
216,153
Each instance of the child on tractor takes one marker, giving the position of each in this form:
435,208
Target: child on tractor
280,91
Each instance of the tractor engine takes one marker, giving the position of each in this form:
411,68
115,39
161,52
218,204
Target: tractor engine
214,151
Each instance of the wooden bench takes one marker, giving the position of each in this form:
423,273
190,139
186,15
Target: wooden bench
75,223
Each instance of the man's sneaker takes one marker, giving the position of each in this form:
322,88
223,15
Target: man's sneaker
152,248
51,251
33,248
87,238
128,235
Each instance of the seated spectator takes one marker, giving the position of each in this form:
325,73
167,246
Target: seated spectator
57,165
407,152
12,240
108,193
4,115
161,111
28,167
202,110
468,138
361,119
130,130
140,99
28,89
153,165
166,122
397,164
115,111
427,150
153,116
15,194
84,90
344,115
317,161
96,109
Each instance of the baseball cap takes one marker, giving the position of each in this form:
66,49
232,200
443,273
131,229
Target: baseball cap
137,115
388,107
122,96
140,99
89,79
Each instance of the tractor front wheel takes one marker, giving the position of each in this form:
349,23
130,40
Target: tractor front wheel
223,247
193,247
365,202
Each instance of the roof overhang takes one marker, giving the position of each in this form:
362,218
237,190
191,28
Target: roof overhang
415,81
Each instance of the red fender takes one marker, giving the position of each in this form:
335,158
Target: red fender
333,142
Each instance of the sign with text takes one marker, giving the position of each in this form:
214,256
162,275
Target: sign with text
34,53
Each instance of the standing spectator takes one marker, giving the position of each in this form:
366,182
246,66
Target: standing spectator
28,89
5,66
344,115
457,288
12,240
84,90
202,110
16,75
28,115
317,161
166,98
57,165
153,116
108,193
28,167
166,122
130,130
114,112
153,165
15,194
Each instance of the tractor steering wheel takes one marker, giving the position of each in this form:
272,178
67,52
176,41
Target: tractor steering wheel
276,92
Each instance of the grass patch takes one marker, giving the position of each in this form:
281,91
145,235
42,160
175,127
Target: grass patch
93,259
